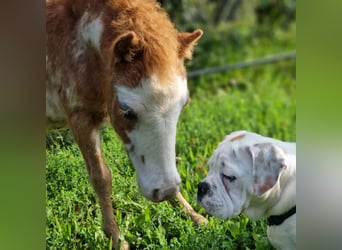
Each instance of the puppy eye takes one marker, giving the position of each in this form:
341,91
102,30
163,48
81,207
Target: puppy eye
230,178
128,113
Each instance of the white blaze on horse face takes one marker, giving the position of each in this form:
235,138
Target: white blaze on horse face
153,138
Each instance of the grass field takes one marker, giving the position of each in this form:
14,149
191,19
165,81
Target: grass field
260,99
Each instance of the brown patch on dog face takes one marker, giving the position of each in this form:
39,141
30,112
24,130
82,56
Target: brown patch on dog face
238,137
266,184
268,162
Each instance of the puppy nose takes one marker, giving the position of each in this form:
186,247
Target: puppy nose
203,188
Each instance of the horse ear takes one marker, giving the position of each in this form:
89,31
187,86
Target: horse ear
187,42
268,161
125,47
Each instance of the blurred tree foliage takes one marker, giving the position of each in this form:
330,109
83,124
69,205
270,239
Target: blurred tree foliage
235,31
190,14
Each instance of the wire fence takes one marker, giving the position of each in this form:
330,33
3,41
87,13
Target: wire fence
265,60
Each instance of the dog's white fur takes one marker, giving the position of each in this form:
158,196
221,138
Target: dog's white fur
255,175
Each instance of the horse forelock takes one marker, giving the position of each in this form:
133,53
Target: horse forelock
156,33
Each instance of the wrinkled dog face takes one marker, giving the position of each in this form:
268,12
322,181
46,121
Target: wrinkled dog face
224,191
239,171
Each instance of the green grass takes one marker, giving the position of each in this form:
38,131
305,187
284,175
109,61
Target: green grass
262,101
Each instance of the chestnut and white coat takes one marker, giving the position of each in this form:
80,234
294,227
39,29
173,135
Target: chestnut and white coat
254,175
120,61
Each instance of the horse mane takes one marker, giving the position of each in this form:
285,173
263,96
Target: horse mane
158,38
156,33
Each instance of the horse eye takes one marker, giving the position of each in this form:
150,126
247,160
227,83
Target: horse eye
129,114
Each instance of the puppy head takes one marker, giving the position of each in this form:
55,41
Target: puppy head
237,173
223,192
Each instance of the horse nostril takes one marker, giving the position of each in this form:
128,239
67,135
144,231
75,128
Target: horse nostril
163,194
155,194
203,188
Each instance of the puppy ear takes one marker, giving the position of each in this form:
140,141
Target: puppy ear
268,161
187,42
125,47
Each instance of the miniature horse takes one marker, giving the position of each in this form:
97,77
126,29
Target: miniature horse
122,61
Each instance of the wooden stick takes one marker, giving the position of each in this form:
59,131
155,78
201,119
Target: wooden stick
196,218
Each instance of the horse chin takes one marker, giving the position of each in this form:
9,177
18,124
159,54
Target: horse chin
156,191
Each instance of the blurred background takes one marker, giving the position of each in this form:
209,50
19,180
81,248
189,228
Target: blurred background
234,31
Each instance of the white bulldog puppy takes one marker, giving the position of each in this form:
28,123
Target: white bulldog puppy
254,175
